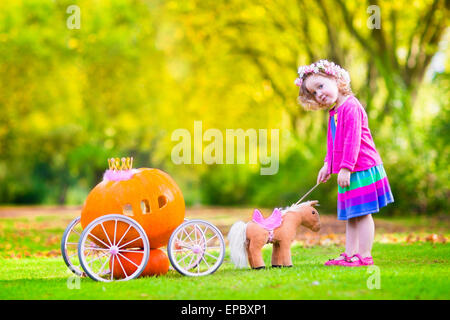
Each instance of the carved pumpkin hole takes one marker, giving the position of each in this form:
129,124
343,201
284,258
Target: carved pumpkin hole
145,206
128,210
162,201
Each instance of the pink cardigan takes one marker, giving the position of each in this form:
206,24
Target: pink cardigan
353,146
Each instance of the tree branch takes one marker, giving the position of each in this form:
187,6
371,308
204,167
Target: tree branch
394,38
423,22
304,22
427,47
426,54
379,35
335,53
348,20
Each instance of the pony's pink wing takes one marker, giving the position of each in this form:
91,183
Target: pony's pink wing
258,217
274,221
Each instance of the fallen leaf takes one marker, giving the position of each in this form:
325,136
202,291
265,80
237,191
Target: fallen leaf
432,238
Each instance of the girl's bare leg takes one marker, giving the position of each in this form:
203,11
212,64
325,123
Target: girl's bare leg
351,237
366,233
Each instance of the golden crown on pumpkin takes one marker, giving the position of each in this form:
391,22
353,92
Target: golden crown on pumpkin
120,163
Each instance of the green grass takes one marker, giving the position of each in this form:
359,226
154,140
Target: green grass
32,267
407,271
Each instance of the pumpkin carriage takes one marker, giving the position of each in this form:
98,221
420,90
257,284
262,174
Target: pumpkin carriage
125,222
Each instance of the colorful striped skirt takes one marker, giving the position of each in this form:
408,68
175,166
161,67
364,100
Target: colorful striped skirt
369,191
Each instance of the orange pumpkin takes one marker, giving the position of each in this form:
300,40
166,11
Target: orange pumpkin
150,196
158,264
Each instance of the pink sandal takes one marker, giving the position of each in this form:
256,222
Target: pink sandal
357,261
337,262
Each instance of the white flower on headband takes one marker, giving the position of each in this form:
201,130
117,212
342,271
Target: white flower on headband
321,66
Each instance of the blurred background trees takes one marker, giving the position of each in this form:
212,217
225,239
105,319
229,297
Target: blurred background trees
137,70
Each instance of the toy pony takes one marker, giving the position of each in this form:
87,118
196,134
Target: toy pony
246,240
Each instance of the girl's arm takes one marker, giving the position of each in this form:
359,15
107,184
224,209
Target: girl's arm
352,120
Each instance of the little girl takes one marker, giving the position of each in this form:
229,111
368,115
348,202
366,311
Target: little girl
363,187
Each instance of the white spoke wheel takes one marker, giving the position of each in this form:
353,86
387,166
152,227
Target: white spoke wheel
196,248
69,246
121,249
170,266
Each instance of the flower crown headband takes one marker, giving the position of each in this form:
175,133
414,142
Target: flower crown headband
325,66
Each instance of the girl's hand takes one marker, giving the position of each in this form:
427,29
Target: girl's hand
323,175
343,178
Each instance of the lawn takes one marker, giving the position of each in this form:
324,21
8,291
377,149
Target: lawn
408,266
406,271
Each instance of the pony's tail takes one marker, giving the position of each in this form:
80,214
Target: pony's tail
237,240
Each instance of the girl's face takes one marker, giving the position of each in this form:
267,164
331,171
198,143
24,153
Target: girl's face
324,89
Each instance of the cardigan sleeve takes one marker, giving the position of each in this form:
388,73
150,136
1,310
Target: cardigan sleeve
352,121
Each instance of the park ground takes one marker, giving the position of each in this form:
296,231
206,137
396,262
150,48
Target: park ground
411,257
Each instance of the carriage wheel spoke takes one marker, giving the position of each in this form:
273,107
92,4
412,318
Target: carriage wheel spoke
112,267
97,258
129,227
184,257
189,235
205,262
130,242
137,251
215,235
103,265
182,238
115,230
181,235
211,255
107,237
96,248
195,233
127,259
190,262
123,269
91,235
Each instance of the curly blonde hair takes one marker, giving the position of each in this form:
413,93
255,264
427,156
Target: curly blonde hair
326,69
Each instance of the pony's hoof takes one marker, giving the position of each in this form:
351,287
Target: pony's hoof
259,268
